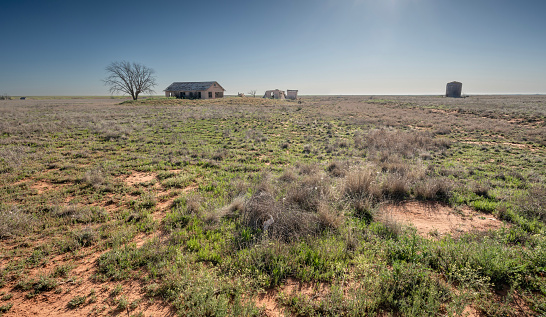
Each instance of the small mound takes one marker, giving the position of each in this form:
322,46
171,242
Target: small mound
431,219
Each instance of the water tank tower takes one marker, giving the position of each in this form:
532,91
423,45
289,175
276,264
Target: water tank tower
454,89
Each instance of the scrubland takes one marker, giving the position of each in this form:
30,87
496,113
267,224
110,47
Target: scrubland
254,207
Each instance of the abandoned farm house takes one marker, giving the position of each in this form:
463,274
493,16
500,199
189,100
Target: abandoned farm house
195,90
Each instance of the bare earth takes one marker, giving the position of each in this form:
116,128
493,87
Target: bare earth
434,219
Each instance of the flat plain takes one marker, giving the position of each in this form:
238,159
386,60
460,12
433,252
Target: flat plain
326,205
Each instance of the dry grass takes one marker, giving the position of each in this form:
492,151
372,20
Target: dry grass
15,222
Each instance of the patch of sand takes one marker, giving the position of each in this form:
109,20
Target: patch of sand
434,218
268,300
138,178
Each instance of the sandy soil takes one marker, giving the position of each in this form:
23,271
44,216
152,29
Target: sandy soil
434,219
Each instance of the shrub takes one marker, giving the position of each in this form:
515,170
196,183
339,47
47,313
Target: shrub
76,301
337,169
5,308
85,237
80,214
94,177
263,214
361,183
410,290
14,222
433,189
395,187
533,205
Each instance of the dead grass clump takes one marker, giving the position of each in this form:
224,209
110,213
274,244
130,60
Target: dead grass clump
308,169
13,157
282,221
233,210
288,176
433,189
94,177
306,196
111,132
14,222
77,214
361,183
363,209
86,237
481,189
328,218
533,205
337,168
238,187
193,204
395,187
407,144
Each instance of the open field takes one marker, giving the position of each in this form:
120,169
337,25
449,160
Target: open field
337,205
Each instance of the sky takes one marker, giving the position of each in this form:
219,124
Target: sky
320,47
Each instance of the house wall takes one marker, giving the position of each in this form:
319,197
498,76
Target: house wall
217,92
292,94
276,94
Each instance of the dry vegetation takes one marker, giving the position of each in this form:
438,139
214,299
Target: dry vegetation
376,205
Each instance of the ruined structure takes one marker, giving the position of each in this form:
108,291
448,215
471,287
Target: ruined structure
195,90
454,89
275,94
292,94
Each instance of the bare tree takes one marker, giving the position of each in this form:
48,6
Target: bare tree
252,92
130,78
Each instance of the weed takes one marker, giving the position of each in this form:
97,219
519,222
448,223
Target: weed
7,296
76,301
5,308
122,303
117,290
14,222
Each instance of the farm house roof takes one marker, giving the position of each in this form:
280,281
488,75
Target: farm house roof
192,86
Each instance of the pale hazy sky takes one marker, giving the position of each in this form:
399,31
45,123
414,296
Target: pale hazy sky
315,46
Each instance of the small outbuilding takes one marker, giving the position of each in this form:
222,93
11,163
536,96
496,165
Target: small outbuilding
195,90
454,89
275,94
292,94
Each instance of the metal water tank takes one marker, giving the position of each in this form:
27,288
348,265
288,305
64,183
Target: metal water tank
454,89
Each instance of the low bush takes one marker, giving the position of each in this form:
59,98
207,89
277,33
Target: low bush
15,222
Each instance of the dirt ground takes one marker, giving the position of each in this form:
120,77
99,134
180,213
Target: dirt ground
434,219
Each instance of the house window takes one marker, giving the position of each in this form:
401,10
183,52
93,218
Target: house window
210,94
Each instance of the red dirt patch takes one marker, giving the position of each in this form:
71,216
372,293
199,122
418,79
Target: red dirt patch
138,178
42,187
268,300
435,218
99,302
